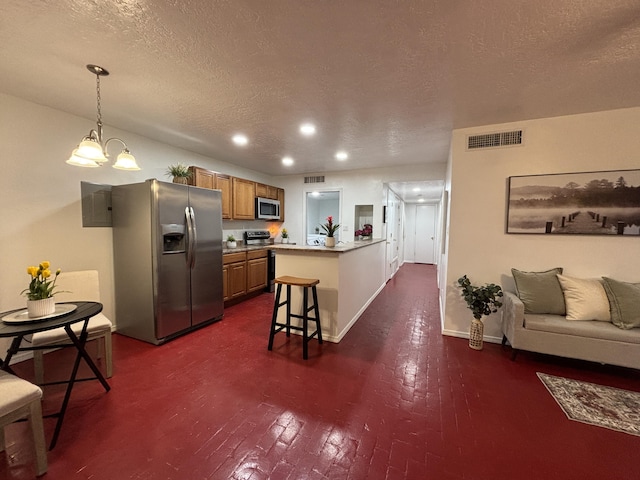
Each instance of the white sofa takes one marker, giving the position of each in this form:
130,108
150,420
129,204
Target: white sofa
556,319
592,340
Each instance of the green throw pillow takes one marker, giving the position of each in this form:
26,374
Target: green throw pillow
540,291
624,302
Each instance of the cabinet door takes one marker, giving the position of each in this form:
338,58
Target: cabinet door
223,183
237,279
256,274
281,198
225,283
201,177
272,192
262,190
244,195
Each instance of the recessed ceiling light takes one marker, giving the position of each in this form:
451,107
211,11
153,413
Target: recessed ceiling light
421,200
315,194
342,155
240,139
417,189
307,129
287,161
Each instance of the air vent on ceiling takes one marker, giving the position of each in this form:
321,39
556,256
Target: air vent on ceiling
318,179
493,140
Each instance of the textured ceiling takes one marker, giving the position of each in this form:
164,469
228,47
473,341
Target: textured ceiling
384,80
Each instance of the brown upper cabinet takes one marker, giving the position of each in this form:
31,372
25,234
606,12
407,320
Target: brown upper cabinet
238,194
244,199
266,191
223,183
201,177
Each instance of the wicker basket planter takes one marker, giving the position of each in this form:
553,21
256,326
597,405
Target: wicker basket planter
476,334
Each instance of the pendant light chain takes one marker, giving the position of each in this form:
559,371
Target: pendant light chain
98,96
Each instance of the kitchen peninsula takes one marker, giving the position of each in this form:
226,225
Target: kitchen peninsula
351,275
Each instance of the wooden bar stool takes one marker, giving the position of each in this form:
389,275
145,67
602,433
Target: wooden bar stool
305,283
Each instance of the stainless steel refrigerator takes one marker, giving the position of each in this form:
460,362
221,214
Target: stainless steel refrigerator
167,241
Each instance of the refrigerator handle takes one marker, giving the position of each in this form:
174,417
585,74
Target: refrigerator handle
194,236
187,214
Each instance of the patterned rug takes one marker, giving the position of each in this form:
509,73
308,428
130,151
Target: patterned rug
594,404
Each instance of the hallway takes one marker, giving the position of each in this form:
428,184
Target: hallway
394,399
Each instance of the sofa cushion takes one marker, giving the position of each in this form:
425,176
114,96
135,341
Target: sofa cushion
591,329
624,302
540,292
585,298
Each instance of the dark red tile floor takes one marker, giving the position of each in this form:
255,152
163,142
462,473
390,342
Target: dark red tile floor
394,399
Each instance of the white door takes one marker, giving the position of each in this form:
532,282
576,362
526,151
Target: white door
425,233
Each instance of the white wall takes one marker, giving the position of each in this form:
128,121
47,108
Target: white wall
477,245
359,187
40,209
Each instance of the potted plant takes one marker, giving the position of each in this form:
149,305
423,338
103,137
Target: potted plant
285,235
366,231
40,292
330,228
179,172
231,241
483,300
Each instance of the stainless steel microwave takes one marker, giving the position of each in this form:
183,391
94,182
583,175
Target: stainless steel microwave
267,209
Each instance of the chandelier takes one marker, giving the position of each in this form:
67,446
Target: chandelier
92,151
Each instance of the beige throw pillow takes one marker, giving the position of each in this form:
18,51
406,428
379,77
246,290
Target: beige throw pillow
585,298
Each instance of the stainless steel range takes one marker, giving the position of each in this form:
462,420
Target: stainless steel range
258,238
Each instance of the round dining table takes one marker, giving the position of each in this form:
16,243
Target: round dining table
16,324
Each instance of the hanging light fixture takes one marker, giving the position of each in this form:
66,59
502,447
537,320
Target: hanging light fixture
92,151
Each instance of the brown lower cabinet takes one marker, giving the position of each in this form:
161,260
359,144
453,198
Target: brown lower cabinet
244,274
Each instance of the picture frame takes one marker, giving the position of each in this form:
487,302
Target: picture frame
583,203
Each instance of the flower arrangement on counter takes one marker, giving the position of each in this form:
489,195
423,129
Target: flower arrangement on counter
284,233
330,227
366,231
41,285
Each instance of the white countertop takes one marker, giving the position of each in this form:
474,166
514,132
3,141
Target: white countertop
341,247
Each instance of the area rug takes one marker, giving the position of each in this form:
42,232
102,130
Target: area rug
606,407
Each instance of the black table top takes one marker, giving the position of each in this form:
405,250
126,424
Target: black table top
84,310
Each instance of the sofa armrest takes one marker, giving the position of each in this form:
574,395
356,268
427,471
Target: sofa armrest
512,317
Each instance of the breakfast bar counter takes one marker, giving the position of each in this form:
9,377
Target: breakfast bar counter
351,275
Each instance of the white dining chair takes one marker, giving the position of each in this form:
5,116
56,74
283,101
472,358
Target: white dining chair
76,286
20,399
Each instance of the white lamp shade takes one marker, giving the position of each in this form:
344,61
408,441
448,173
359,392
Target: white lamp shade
91,150
79,161
126,161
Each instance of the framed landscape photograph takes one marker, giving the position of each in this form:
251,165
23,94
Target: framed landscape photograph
586,203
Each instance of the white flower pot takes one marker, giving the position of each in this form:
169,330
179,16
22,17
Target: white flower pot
330,242
285,240
232,244
40,308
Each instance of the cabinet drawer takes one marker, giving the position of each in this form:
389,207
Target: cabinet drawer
256,254
234,257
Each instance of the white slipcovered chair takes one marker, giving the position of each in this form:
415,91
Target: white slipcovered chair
20,399
76,286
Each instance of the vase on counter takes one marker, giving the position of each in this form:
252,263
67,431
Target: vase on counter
285,240
330,242
40,308
232,244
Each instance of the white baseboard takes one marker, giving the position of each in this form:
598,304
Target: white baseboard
458,334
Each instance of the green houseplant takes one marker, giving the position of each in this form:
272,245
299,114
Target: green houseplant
231,241
483,300
179,172
285,235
